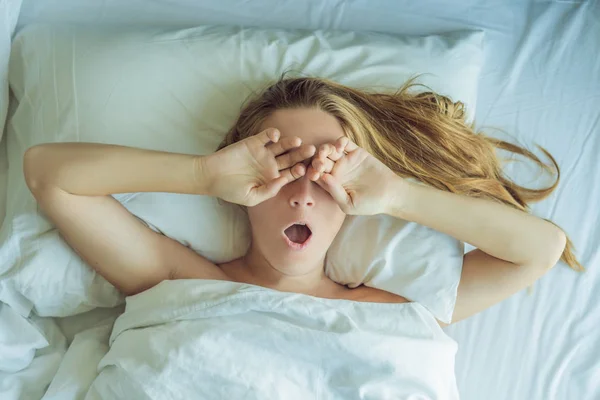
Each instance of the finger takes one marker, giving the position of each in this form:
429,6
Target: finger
312,174
320,167
350,146
273,187
341,143
329,151
268,135
285,144
295,156
296,172
325,150
331,185
287,176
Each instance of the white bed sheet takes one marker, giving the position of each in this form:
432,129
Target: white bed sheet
541,82
9,14
3,178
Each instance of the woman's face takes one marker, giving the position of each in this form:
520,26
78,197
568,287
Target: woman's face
299,201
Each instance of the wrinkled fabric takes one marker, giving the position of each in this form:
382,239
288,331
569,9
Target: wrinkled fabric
227,340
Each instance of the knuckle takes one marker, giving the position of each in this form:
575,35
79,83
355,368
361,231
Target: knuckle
296,173
299,155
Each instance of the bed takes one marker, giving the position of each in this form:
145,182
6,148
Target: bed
540,83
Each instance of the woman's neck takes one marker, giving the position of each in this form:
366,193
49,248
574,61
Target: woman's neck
255,269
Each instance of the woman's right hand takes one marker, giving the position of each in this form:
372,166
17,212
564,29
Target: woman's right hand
254,169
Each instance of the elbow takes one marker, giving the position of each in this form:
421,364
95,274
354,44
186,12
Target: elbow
554,249
559,246
31,167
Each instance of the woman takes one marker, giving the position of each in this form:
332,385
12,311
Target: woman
301,156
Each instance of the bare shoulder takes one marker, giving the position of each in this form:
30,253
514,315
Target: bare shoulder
234,271
373,295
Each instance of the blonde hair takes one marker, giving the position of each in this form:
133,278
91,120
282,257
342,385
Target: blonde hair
424,136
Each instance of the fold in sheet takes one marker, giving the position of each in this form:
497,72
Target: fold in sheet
31,350
218,339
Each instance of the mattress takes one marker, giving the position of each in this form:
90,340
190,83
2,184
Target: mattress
540,84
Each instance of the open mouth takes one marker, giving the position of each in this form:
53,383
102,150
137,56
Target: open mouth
298,233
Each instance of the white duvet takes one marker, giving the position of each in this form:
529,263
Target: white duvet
204,339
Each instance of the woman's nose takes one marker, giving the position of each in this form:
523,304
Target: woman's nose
302,194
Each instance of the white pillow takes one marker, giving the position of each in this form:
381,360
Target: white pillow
181,91
9,13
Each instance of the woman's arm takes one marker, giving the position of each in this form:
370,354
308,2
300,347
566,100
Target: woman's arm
92,169
72,183
514,248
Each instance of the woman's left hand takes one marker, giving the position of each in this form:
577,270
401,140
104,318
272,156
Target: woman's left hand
357,181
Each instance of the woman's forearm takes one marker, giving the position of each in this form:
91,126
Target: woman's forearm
496,229
97,169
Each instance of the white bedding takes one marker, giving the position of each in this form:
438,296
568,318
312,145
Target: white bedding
226,340
541,82
9,14
95,86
